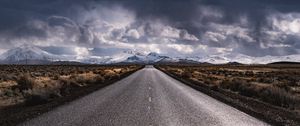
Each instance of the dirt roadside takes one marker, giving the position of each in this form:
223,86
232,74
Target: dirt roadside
14,115
263,111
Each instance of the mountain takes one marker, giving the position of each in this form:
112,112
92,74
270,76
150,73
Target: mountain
134,59
270,59
25,54
285,62
155,57
169,60
66,63
149,58
29,54
265,59
130,56
234,63
214,59
244,59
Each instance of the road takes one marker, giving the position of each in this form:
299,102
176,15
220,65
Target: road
146,98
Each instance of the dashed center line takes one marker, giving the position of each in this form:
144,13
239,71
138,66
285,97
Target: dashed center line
150,99
149,107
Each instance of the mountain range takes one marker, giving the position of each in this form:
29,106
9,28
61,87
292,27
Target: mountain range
28,54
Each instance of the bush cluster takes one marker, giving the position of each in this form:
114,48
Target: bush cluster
273,85
39,84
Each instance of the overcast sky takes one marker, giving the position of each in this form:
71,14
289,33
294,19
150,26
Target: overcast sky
169,27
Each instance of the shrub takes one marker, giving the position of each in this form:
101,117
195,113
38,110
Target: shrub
186,74
8,92
77,81
80,79
236,84
248,90
279,97
37,96
241,86
225,84
99,79
116,76
233,84
56,77
67,85
25,82
35,100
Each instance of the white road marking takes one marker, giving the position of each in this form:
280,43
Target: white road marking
149,107
150,99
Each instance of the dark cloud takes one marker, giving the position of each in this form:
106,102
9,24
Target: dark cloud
251,27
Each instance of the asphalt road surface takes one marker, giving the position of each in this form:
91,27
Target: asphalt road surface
145,98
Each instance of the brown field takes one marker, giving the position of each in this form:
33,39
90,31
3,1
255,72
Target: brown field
32,85
277,85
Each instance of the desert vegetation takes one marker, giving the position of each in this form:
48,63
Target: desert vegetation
39,84
278,85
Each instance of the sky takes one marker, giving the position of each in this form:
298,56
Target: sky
255,28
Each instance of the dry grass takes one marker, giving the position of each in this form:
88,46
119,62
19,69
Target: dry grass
39,84
278,86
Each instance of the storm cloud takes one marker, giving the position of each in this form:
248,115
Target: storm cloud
170,27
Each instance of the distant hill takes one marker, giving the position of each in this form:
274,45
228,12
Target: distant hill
234,63
66,63
284,62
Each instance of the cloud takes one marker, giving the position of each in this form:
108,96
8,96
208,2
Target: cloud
220,35
81,52
282,33
172,27
181,48
159,29
133,33
288,23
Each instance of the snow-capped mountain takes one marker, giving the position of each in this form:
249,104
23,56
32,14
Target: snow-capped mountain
34,53
154,57
125,57
215,59
134,59
241,58
150,58
26,52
